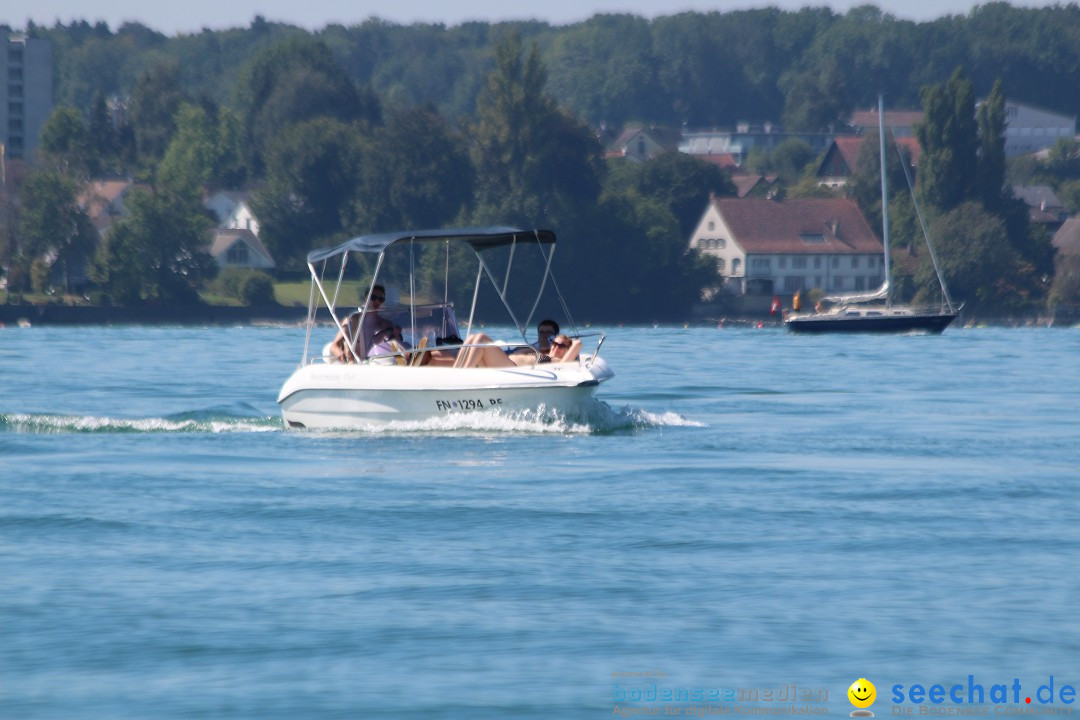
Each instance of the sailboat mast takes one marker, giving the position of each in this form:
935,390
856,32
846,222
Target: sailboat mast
884,197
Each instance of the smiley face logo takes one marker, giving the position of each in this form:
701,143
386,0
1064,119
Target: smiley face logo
862,694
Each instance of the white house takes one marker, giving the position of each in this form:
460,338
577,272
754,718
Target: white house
233,211
642,144
237,248
767,246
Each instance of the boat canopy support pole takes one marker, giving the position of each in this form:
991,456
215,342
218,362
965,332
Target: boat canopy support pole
501,292
310,317
543,283
558,293
475,292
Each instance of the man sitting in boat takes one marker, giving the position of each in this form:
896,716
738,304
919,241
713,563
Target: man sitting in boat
546,330
361,340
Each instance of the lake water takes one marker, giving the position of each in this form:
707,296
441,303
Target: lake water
750,510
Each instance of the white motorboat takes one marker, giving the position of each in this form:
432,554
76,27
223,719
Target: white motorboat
428,371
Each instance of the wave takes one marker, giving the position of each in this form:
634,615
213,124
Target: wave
594,418
204,421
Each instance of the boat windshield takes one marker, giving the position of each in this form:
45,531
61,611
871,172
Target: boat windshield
434,322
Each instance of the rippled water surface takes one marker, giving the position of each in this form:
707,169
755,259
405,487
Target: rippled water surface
745,508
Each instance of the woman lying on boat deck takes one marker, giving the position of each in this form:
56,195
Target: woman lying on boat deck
490,355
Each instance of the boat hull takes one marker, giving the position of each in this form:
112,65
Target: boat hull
934,323
325,396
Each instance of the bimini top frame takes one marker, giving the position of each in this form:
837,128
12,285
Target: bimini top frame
479,239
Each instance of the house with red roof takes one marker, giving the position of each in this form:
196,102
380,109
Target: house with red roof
841,159
773,246
103,201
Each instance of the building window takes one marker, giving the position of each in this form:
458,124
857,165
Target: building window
812,238
817,282
15,75
238,254
721,243
798,263
720,266
15,109
760,263
15,56
817,262
712,226
781,262
792,283
859,284
854,261
835,261
836,282
736,266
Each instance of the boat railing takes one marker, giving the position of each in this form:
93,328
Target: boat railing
410,356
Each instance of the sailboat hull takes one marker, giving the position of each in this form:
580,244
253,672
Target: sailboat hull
871,322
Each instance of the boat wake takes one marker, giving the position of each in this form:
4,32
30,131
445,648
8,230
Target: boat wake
596,418
211,420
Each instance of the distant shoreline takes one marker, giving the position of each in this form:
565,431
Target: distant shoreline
10,315
49,314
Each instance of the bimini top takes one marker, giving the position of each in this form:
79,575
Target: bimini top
480,238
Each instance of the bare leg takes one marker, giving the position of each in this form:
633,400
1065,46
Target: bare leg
489,356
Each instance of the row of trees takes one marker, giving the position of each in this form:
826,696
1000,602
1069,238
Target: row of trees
330,158
807,68
327,161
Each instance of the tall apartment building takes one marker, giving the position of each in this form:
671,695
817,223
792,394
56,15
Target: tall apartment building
26,94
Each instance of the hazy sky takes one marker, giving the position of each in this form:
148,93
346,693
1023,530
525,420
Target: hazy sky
193,15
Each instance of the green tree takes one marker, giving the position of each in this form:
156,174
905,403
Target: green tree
295,81
53,224
103,138
65,142
416,174
536,165
155,101
680,182
978,262
313,172
604,68
647,271
191,156
158,252
948,136
257,289
990,160
204,153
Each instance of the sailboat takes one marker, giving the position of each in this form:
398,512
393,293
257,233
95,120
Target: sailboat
875,311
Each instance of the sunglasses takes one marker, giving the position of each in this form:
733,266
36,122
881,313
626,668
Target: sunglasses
380,298
564,346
